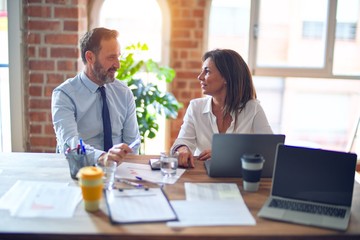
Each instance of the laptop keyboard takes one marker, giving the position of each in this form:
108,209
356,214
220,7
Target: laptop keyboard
308,208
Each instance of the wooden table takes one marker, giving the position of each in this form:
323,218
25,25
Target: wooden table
84,225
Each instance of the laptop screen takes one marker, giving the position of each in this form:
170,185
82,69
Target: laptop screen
314,175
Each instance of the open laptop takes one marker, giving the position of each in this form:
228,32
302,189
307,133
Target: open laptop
312,187
227,150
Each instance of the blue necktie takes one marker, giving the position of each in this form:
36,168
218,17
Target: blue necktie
106,122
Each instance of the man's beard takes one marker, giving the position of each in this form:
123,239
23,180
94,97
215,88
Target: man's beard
102,74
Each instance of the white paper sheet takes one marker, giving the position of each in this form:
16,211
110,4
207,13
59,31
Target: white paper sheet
211,204
211,213
132,170
41,199
212,191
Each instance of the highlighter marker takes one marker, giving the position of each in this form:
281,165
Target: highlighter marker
134,143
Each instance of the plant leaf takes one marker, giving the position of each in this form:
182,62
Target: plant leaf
150,101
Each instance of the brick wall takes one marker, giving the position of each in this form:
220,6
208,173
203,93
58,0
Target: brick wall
52,29
187,27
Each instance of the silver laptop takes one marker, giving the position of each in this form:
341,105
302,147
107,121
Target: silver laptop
227,150
311,187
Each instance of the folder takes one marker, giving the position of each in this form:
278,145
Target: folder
139,205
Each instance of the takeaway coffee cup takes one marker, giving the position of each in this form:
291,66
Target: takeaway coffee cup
252,165
91,183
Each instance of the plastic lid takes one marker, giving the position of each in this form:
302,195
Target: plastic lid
255,157
90,173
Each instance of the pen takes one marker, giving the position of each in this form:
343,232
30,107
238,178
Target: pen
139,178
149,181
130,183
78,149
134,143
83,151
67,150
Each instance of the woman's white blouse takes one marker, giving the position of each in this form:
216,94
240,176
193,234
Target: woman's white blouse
200,124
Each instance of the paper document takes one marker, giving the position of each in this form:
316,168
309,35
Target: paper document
134,170
211,213
212,191
41,199
211,204
139,205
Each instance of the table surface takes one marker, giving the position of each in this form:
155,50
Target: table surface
84,225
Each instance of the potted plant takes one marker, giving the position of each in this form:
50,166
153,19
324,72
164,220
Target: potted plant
142,75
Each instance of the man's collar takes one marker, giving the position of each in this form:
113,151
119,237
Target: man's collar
88,83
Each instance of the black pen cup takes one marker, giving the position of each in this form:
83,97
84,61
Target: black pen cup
252,165
77,160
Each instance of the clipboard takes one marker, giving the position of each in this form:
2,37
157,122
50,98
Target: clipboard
138,205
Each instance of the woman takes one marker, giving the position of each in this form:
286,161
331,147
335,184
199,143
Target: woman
231,108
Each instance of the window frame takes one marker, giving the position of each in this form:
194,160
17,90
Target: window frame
324,72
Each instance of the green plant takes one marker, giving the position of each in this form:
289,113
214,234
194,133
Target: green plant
141,75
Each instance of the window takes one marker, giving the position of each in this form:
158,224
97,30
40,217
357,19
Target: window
229,25
346,49
305,63
312,29
131,19
307,38
343,30
279,25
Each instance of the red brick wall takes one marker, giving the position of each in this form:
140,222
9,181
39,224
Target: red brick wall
187,28
52,29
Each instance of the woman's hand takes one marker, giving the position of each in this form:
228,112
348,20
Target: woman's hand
205,155
186,158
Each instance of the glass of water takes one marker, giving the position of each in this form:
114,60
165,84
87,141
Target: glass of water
169,163
109,169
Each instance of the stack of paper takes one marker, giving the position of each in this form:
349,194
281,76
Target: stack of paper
41,199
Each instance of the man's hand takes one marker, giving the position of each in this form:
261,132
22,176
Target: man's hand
117,153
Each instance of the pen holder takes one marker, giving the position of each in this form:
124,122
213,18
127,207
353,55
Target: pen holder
78,160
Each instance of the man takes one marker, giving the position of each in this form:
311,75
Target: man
78,107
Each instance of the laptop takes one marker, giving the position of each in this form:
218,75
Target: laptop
312,187
227,150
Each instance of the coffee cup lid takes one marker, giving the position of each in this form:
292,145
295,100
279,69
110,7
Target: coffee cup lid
255,157
90,172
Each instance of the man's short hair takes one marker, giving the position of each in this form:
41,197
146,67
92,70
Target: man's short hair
91,40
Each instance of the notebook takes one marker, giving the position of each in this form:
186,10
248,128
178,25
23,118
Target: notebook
307,180
227,150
